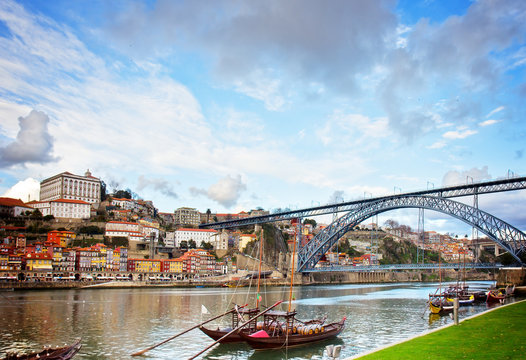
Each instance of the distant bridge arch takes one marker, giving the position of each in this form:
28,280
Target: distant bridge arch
502,233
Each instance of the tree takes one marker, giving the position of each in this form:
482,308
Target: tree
310,221
207,246
123,194
48,218
36,215
208,213
103,194
392,224
405,229
183,245
192,244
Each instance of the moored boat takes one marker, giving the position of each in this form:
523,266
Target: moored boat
237,316
282,329
59,353
463,300
440,307
495,296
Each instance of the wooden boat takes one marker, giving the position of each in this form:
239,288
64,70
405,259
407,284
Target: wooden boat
440,307
282,329
462,300
238,315
58,353
495,296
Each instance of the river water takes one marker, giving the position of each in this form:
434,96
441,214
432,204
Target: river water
114,323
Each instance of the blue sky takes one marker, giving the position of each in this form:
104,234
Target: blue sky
233,105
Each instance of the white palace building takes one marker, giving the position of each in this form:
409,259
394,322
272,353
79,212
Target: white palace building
68,196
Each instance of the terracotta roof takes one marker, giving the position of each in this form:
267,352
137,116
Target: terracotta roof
70,201
39,256
5,201
122,222
197,230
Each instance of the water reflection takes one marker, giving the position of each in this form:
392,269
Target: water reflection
115,323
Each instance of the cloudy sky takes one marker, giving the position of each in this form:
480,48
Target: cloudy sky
233,105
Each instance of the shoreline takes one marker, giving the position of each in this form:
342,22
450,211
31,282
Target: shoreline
56,285
429,332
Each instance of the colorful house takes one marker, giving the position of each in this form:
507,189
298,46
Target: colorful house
61,238
39,262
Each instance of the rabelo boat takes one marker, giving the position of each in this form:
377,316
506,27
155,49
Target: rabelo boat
58,353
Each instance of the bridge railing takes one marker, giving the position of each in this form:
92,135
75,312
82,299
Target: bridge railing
395,267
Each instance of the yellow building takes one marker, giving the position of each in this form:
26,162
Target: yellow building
39,262
244,239
4,259
145,265
174,266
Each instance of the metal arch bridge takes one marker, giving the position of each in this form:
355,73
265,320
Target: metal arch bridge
517,183
499,231
502,233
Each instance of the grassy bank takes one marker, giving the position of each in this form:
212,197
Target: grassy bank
494,335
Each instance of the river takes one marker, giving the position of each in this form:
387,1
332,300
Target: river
114,323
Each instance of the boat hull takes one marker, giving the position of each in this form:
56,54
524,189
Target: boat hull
219,333
494,297
61,353
290,340
440,309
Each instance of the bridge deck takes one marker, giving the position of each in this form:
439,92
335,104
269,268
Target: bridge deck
394,267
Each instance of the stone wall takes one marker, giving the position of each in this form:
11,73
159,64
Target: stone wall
511,276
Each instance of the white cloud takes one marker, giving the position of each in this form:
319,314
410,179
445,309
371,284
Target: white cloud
494,111
352,129
437,145
262,86
459,134
225,192
33,143
25,190
455,177
489,122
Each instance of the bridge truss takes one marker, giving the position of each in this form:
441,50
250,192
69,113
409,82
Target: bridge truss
502,233
518,183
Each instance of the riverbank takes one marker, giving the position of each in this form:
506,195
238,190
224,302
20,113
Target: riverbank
332,278
495,334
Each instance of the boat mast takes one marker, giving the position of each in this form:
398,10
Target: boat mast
292,272
258,296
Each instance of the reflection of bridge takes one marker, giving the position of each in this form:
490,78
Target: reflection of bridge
396,267
502,233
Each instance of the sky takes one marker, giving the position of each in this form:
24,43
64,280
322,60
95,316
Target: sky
234,105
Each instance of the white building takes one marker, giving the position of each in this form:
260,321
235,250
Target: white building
220,240
133,231
13,207
71,187
125,204
63,208
187,216
198,235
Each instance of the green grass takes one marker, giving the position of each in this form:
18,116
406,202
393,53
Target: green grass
495,335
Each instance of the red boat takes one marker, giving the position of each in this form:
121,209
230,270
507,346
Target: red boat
282,329
58,353
495,296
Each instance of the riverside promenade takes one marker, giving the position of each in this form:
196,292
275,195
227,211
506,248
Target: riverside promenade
494,334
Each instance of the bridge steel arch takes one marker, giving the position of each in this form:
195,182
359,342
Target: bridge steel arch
502,233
